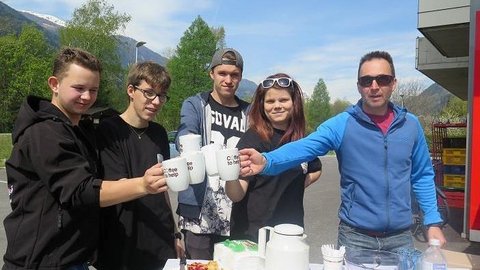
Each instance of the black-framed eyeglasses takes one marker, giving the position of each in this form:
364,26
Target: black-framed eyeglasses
282,82
382,80
151,95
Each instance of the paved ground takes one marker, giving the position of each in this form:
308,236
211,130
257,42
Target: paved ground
321,205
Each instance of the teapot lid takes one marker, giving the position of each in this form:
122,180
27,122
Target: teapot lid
288,229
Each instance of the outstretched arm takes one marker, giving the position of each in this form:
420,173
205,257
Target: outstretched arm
114,192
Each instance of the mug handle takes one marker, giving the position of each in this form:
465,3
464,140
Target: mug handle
262,240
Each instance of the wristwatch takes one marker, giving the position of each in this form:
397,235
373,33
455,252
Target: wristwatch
439,225
177,235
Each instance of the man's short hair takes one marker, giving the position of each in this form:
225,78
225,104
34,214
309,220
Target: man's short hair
68,56
152,73
379,55
227,56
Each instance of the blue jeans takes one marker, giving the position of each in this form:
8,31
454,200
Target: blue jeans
352,239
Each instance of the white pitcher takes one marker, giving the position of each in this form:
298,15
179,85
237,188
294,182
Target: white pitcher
286,249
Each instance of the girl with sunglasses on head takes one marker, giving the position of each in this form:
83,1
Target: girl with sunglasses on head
276,117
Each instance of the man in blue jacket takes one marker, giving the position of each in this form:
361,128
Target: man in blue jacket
219,116
382,156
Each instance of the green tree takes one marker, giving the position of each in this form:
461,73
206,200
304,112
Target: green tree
25,66
455,111
93,27
219,33
189,69
318,106
407,92
339,106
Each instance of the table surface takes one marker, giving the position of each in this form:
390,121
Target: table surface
173,264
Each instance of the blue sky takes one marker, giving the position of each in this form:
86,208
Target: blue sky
308,39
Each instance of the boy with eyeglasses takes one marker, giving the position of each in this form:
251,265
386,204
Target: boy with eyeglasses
139,234
54,185
219,116
382,156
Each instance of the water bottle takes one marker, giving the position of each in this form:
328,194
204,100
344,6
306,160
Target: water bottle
433,258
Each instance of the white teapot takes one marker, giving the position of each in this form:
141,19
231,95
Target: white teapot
286,249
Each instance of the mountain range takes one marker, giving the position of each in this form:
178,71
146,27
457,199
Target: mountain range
430,101
12,21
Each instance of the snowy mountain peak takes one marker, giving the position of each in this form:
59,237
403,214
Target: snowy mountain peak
50,18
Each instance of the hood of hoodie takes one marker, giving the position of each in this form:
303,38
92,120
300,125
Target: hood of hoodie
33,110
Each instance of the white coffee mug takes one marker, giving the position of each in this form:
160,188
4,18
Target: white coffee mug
189,143
177,174
196,166
228,164
209,151
232,142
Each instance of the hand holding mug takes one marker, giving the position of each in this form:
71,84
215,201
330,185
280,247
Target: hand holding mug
176,173
251,161
154,180
228,164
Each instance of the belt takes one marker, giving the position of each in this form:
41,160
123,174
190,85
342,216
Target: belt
375,233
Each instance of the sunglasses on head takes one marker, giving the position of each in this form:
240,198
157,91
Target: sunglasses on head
382,80
282,82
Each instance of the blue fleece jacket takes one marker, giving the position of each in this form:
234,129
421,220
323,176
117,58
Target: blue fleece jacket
378,171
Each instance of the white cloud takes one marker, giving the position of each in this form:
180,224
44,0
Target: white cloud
309,43
158,23
337,62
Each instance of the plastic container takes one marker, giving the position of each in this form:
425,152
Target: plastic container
454,159
454,181
454,169
454,151
454,142
433,258
455,199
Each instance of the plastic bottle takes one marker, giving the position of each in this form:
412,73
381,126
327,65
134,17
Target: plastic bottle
433,258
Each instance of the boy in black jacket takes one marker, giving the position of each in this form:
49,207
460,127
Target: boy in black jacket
55,193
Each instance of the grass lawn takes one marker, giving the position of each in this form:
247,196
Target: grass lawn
5,147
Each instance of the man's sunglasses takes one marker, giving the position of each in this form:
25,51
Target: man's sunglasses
382,80
282,82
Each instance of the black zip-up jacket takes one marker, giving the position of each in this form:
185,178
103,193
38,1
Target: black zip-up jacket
54,192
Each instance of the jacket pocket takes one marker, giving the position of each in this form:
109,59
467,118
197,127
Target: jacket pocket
350,198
